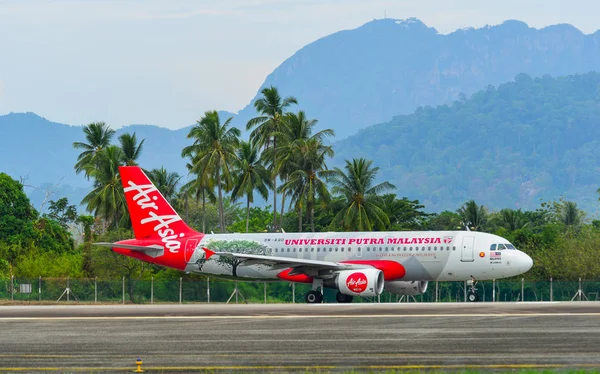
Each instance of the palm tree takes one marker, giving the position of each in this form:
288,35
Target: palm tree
513,219
131,150
107,199
199,187
306,183
569,214
98,136
165,182
214,148
362,210
297,130
473,215
269,124
250,175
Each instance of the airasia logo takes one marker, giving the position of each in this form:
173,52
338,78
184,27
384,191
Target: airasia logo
162,223
357,282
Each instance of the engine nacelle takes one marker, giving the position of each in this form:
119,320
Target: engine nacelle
363,282
406,287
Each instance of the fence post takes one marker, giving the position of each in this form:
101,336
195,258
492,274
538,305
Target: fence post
293,293
579,291
123,290
436,292
551,293
265,284
68,287
522,289
465,291
152,290
493,290
208,290
95,290
180,288
12,287
236,293
40,288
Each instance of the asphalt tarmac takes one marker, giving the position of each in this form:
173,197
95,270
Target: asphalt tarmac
297,338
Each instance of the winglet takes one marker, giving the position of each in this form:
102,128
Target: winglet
208,252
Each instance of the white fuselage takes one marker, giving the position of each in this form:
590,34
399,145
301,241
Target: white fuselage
425,255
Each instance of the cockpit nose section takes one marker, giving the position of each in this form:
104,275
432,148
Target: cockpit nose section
524,262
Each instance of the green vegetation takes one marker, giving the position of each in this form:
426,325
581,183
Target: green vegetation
286,157
507,146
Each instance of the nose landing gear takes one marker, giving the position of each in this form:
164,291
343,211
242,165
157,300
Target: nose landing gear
472,295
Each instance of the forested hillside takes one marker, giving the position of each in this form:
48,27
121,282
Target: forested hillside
508,146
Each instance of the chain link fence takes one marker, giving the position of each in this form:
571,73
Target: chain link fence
210,290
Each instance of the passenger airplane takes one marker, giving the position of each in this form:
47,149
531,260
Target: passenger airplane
354,263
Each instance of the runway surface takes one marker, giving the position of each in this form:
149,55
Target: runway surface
294,337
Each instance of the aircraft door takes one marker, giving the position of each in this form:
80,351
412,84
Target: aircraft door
190,247
467,249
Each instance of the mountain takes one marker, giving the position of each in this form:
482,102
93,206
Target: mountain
505,147
355,78
41,153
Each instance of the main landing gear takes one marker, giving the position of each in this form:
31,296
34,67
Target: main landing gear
343,298
315,296
472,295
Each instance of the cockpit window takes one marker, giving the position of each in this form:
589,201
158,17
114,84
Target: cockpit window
501,246
493,247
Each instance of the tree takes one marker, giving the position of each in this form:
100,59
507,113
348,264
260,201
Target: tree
269,124
250,175
107,199
165,182
295,140
404,214
362,210
473,215
199,187
306,184
214,147
131,150
98,136
61,212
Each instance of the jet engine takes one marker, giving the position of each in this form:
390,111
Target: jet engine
406,287
363,282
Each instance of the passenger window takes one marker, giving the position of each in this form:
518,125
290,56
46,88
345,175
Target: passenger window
386,249
429,248
359,249
454,248
312,249
404,249
336,249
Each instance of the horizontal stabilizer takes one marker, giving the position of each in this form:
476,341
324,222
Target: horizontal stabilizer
153,250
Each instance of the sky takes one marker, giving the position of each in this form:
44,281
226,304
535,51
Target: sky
166,62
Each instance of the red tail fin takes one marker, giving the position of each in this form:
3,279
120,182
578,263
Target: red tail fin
151,214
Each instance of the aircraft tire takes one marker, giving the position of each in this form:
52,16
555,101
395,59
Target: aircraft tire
313,297
472,297
343,298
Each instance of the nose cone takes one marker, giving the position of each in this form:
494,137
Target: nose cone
525,262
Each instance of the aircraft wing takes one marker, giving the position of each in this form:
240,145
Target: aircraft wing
286,262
